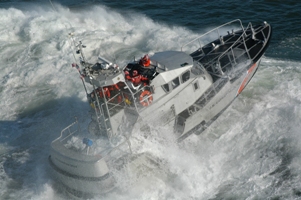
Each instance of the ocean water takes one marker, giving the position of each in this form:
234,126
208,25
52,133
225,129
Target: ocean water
252,151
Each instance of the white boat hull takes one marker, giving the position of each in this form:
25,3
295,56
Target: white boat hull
83,186
186,92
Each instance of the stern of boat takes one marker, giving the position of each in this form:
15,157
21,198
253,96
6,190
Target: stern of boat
82,168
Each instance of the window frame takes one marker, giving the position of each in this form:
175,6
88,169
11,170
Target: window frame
177,84
182,80
165,89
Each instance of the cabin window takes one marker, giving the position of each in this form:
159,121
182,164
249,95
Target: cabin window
185,77
165,87
175,82
196,85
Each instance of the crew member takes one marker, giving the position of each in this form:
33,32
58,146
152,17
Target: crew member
145,61
127,75
106,91
137,79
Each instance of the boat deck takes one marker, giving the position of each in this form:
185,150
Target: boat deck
231,49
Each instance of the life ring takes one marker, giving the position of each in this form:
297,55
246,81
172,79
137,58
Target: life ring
146,98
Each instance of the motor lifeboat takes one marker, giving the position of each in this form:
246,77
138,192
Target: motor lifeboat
183,90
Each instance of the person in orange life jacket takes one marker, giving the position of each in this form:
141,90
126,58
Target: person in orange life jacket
127,75
105,91
113,87
145,61
136,78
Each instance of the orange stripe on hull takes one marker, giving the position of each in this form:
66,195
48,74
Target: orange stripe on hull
245,81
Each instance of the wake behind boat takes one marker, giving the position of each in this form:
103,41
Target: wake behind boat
183,91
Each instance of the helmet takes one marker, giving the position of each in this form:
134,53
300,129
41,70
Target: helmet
135,73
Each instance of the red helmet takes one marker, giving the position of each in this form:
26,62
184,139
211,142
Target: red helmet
135,73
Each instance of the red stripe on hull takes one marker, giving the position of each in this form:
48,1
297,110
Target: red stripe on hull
247,78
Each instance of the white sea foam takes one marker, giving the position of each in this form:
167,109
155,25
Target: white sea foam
244,153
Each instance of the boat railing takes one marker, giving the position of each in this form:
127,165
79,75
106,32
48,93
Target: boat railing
116,103
231,54
218,31
123,147
68,131
109,107
106,107
129,98
102,113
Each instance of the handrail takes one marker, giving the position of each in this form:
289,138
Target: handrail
217,28
235,43
98,156
69,131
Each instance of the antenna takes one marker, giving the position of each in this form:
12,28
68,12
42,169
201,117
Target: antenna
79,47
70,34
53,6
